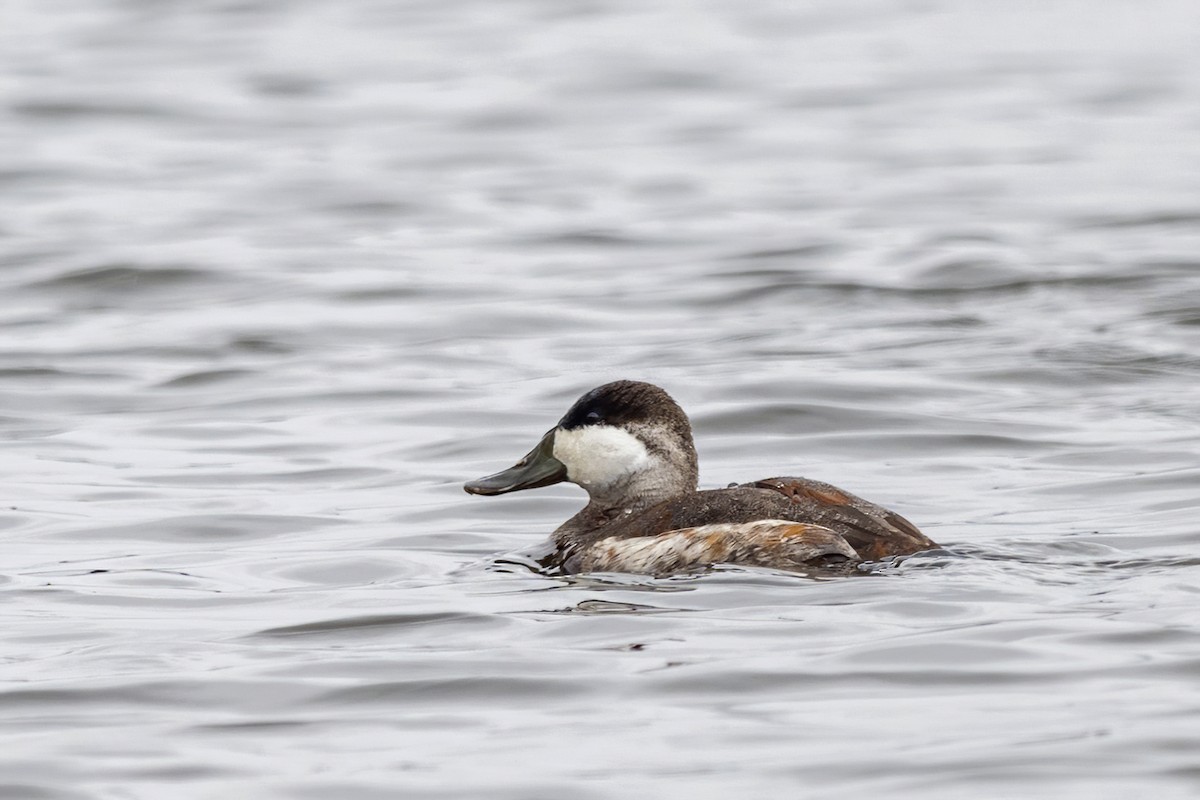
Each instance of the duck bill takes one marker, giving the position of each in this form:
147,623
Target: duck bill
538,468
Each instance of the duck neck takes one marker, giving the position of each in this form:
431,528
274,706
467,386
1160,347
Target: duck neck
618,501
670,471
637,493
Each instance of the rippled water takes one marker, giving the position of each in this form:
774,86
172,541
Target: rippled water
278,277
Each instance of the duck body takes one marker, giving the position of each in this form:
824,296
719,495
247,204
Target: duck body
862,531
630,446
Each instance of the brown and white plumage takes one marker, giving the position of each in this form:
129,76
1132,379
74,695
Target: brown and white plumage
629,445
774,543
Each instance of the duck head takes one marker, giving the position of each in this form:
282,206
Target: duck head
626,443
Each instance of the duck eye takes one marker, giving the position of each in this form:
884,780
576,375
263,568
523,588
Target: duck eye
593,416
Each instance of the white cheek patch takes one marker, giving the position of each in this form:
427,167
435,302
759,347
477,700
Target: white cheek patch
599,455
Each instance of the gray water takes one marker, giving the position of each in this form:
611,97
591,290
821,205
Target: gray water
279,277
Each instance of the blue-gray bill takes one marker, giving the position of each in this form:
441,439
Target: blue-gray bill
538,468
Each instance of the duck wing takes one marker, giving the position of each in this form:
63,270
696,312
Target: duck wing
872,530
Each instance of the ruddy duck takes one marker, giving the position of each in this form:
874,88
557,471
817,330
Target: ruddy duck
629,446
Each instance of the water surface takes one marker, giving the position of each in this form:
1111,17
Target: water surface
279,277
